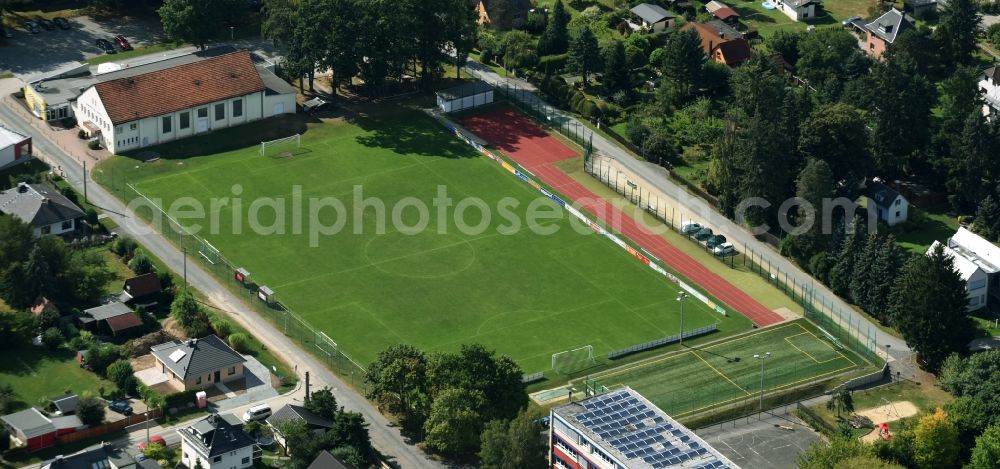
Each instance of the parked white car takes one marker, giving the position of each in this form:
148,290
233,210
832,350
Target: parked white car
724,249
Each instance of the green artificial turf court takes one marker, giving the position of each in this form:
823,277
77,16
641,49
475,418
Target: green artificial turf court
702,377
525,294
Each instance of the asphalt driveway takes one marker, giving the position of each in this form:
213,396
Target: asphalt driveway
27,54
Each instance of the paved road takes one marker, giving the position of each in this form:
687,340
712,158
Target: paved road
657,177
385,437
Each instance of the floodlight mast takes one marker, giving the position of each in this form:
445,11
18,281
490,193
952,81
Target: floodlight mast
763,358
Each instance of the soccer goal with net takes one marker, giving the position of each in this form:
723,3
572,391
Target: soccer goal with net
209,252
572,361
286,146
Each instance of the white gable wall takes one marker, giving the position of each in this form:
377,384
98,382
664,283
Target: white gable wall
89,108
896,213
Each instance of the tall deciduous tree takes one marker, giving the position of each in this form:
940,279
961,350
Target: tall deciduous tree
397,379
518,50
830,57
512,444
460,31
936,443
555,38
928,307
342,51
496,377
956,30
836,134
986,454
279,20
584,53
196,21
454,425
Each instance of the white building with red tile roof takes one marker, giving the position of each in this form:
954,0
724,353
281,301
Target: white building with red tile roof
174,102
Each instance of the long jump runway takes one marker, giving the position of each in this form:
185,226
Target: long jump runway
522,140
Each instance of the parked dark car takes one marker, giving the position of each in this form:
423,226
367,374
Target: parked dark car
703,234
32,27
121,407
122,42
61,22
6,33
106,46
715,241
47,24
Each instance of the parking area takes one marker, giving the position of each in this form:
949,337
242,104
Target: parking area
776,441
27,54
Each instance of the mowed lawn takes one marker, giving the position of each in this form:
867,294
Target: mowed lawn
525,294
37,374
726,371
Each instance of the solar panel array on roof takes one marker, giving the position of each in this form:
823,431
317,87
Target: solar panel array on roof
639,432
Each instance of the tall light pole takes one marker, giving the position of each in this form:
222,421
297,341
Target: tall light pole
763,358
146,415
680,299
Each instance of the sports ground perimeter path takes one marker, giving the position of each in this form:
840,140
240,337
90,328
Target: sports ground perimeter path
530,146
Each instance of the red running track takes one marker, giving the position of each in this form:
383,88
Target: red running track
526,143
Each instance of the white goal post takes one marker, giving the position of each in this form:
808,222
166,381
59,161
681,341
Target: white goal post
572,361
293,141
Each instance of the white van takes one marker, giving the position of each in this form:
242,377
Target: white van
257,412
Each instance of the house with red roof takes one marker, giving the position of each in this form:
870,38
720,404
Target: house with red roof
722,12
161,102
731,51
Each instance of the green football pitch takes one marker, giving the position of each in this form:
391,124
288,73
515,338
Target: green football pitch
726,371
522,293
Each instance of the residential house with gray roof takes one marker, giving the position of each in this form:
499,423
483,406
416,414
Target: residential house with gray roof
291,413
198,363
884,31
650,18
41,206
102,456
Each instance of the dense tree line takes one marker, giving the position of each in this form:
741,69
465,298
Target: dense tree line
448,399
375,40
